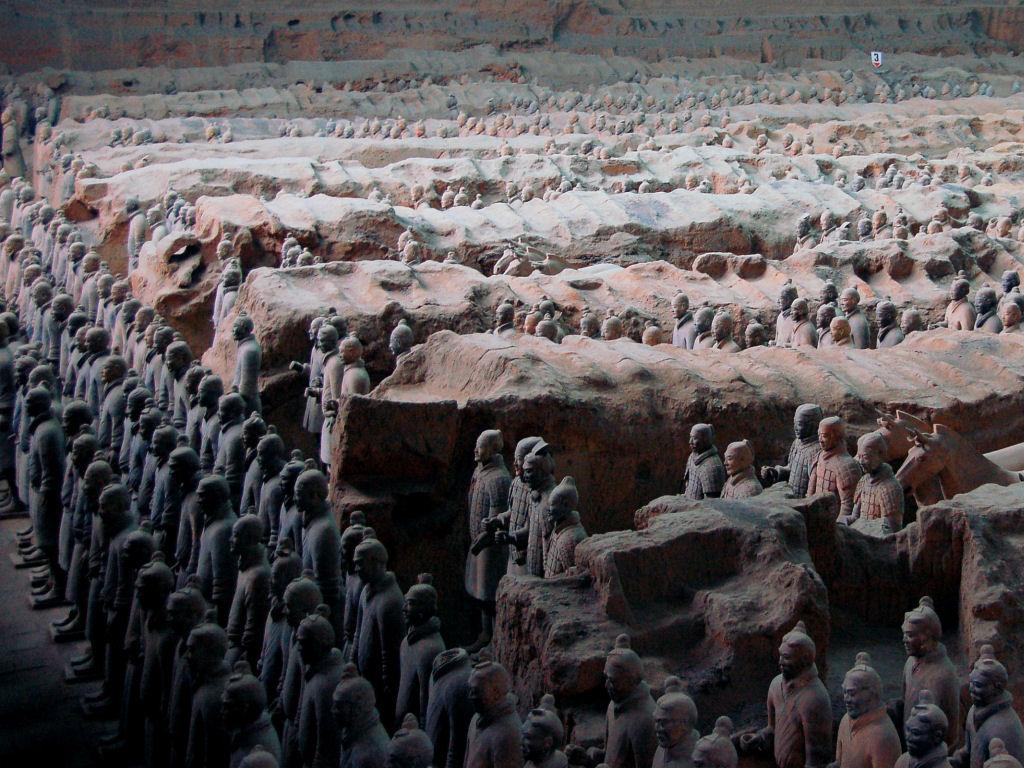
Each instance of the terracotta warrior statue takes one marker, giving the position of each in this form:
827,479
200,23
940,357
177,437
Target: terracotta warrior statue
318,737
208,738
590,326
1010,316
783,323
926,735
675,719
630,740
867,737
401,339
321,541
742,482
960,314
834,471
539,476
301,598
702,320
449,711
248,361
250,606
991,715
488,501
515,523
244,709
562,529
799,731
755,335
802,332
840,333
889,333
849,302
410,747
928,667
420,646
504,320
684,332
217,569
878,499
999,757
364,742
987,305
716,750
802,453
495,732
721,329
611,328
312,416
705,473
381,626
543,736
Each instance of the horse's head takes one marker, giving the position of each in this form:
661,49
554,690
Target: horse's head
898,432
927,457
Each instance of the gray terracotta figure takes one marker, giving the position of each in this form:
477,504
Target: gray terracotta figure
495,732
504,320
185,611
630,739
849,303
253,430
802,332
799,730
401,339
783,322
823,320
488,500
611,328
410,747
420,646
301,598
878,499
216,569
867,737
834,470
380,625
705,473
312,417
703,319
248,361
684,332
802,452
721,329
319,738
211,389
516,521
539,476
543,736
351,537
742,481
321,548
46,459
449,711
755,335
229,461
991,715
590,326
154,585
244,710
270,460
364,742
183,466
889,332
925,734
286,568
928,667
987,306
208,737
247,617
675,720
563,530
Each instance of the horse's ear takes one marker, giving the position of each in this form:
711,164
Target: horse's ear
916,437
919,424
884,420
942,429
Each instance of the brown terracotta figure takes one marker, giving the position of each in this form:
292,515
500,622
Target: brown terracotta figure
721,329
928,667
611,328
504,320
784,323
1010,315
543,736
849,302
364,742
987,305
999,757
488,500
563,530
684,332
716,750
878,499
742,479
834,471
926,735
802,332
674,721
960,314
889,332
539,476
823,320
991,715
867,737
755,335
705,472
802,453
420,646
495,732
799,730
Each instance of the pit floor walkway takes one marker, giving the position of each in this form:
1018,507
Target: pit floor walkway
41,724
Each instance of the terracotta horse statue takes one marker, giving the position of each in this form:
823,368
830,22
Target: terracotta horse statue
949,457
897,431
